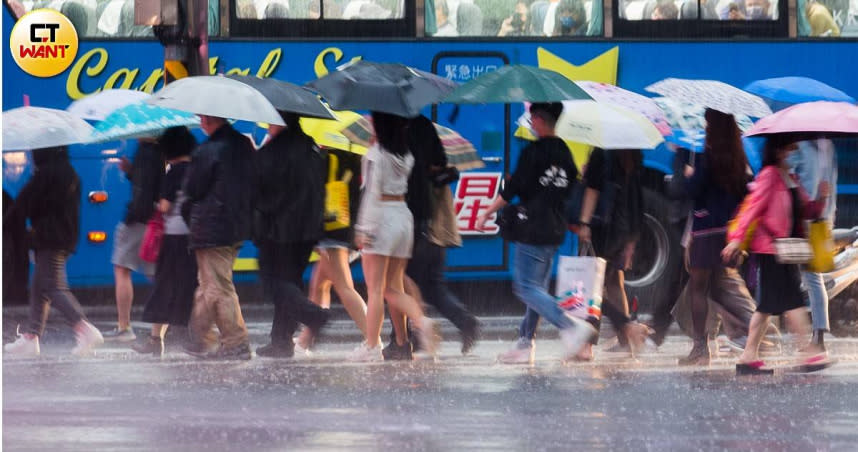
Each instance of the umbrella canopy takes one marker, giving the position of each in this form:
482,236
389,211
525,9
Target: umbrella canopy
606,126
285,96
35,128
796,90
810,120
517,83
328,133
460,152
391,88
97,106
712,94
140,120
603,92
217,96
688,122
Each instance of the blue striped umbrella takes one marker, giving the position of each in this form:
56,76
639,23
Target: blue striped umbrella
140,120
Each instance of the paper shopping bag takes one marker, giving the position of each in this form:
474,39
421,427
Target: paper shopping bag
579,285
823,247
337,214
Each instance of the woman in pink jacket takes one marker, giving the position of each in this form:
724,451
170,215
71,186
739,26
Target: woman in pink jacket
775,209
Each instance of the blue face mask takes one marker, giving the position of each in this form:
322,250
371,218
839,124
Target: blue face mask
567,23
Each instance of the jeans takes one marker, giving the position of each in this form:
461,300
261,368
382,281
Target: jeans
426,269
50,286
818,300
215,301
531,276
281,270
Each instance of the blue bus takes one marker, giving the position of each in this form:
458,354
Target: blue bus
631,43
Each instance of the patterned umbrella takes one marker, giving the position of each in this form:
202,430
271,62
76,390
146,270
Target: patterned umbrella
460,152
329,132
688,123
27,128
140,120
97,106
603,92
712,94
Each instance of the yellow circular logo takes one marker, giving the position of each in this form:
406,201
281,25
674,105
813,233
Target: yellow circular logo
43,42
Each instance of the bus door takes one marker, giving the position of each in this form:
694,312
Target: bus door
487,126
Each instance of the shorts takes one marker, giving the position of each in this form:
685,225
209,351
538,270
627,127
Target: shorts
332,243
127,239
395,236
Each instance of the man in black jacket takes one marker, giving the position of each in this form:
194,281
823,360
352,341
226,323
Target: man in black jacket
144,173
288,220
218,187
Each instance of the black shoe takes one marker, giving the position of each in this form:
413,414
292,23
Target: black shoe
320,321
276,350
239,352
153,345
198,350
470,335
395,352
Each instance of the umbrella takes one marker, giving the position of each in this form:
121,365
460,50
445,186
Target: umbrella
328,133
785,91
217,96
285,96
606,126
603,92
35,128
688,123
97,106
140,120
810,120
517,83
391,88
460,152
712,94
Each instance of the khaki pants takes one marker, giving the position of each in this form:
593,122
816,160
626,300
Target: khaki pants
215,301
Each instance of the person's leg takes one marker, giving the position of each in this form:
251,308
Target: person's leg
402,302
529,324
296,257
756,331
39,302
124,296
698,286
228,318
615,297
375,277
201,324
340,275
818,309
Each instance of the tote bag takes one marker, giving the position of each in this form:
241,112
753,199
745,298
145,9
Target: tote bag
337,215
580,280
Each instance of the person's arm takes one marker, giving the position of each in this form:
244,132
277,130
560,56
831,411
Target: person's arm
200,173
513,187
370,198
751,209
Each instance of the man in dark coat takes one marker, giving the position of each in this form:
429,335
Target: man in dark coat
218,187
288,221
144,173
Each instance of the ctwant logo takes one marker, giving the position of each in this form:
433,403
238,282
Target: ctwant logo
44,43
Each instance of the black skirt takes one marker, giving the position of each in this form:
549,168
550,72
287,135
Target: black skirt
779,288
172,297
705,249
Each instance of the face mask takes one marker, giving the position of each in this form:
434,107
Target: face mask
756,12
517,22
567,24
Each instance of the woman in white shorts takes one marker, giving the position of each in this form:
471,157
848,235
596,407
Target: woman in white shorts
385,234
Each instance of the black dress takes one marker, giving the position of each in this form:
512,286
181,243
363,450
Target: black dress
172,296
779,289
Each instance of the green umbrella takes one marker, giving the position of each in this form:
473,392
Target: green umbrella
517,83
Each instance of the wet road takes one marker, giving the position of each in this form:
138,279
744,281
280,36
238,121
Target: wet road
120,401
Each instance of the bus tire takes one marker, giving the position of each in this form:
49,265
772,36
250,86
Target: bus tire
655,274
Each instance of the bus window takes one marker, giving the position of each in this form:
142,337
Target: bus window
699,9
513,18
701,18
316,9
827,18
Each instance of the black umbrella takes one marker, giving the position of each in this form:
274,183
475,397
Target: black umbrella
285,96
386,87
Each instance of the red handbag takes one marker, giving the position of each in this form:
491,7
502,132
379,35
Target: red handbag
152,238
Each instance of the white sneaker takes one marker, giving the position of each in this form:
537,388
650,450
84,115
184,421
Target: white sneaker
117,335
429,335
524,352
26,345
88,337
575,336
364,354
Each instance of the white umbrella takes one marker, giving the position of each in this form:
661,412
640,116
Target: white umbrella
606,126
97,106
35,128
217,96
712,94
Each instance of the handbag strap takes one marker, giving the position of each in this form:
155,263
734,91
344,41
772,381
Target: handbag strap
586,249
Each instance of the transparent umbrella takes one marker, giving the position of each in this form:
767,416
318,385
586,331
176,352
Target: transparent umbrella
35,128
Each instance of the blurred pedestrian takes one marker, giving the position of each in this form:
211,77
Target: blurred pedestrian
144,173
717,183
16,259
822,23
542,181
217,184
615,175
426,268
385,234
776,206
51,202
172,296
288,220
